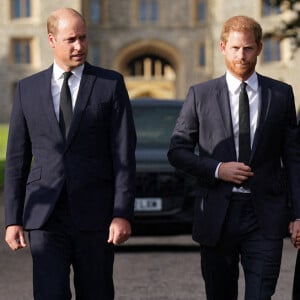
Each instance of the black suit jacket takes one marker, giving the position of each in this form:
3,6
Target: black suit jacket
96,162
205,122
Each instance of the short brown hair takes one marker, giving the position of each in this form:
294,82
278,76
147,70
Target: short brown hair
241,23
53,19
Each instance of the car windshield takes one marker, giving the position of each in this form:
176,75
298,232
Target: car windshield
154,125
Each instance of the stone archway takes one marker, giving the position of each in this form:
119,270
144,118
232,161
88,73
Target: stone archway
150,69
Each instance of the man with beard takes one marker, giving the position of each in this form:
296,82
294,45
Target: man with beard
243,125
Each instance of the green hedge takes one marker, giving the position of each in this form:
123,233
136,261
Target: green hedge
3,141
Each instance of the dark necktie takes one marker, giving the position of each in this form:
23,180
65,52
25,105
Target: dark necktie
65,111
244,126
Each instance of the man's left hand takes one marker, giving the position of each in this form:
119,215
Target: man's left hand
119,231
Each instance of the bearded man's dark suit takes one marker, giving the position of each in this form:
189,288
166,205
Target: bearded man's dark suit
94,167
205,122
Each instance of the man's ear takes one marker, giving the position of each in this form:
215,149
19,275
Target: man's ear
51,40
222,46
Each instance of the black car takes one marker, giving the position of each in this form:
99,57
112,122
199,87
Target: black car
164,196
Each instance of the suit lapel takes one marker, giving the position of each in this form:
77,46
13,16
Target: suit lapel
265,101
222,99
46,101
86,85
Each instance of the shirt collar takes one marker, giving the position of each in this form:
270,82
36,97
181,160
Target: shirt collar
234,84
58,71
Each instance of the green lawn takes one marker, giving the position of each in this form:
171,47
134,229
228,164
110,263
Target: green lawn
3,140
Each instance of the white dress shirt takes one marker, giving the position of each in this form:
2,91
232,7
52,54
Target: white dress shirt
234,88
57,81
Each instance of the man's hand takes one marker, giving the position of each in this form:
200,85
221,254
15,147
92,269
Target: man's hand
235,172
294,229
15,237
119,231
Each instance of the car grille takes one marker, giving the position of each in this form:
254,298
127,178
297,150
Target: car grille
159,185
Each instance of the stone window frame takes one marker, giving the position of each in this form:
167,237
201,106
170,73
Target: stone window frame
270,8
21,9
200,11
95,12
22,50
148,11
271,50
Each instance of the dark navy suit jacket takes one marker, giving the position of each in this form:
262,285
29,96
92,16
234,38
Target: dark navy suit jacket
205,122
96,163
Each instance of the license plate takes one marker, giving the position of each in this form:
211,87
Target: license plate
148,204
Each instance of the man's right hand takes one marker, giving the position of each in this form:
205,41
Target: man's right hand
15,237
294,229
235,172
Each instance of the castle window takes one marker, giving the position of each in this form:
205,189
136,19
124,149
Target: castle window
201,8
272,51
94,53
21,51
94,11
270,7
202,56
13,88
20,9
148,11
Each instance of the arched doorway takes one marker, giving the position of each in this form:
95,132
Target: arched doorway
150,69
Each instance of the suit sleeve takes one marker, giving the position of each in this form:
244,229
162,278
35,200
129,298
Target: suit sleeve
291,157
18,160
123,146
185,139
